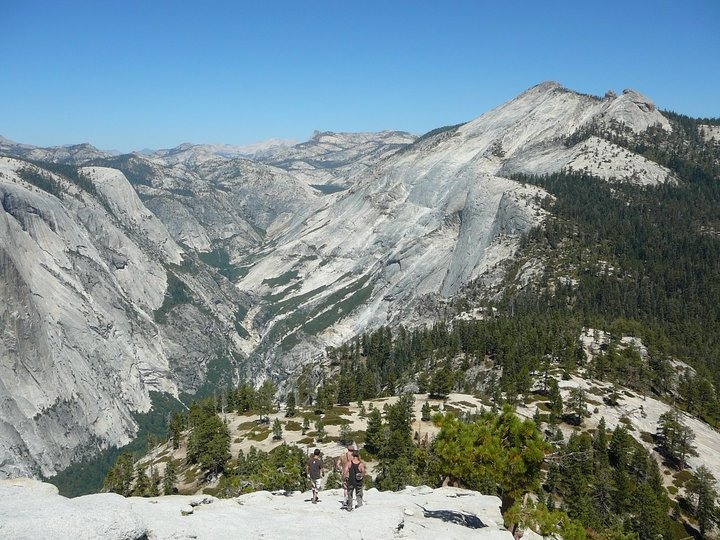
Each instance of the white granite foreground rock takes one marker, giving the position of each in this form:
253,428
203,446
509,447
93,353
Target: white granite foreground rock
30,509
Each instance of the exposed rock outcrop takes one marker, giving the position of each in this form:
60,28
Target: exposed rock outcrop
30,509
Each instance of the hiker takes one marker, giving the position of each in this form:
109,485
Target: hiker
356,474
315,471
343,464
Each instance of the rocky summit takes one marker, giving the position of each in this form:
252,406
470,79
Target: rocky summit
31,509
125,275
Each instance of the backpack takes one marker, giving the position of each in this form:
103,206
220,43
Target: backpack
355,472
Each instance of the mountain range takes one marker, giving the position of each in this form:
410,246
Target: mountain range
127,277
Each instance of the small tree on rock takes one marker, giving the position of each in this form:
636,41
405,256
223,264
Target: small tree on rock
142,482
277,430
425,412
320,428
577,405
265,398
345,436
170,478
556,402
120,476
702,488
177,424
675,437
305,425
290,405
374,432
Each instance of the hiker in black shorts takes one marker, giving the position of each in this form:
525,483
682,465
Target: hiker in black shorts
356,473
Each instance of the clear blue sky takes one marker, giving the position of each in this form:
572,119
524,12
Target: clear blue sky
126,74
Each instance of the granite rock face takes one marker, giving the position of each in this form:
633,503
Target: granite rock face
421,223
83,274
29,509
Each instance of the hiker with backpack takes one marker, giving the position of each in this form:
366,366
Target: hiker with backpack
315,471
343,464
356,474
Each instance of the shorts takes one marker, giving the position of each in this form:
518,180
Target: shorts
315,484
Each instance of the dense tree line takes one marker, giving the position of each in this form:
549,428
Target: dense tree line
283,468
39,177
598,484
209,440
494,453
645,263
609,485
500,358
663,242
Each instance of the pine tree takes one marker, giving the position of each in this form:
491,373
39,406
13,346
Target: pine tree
154,487
209,443
305,425
290,405
399,418
620,452
651,516
442,381
397,450
320,428
537,417
425,412
620,448
175,427
702,487
577,403
675,437
495,454
345,434
169,478
265,398
423,382
600,446
346,390
374,432
545,374
246,398
277,430
556,402
577,469
120,476
333,480
142,482
613,398
602,495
